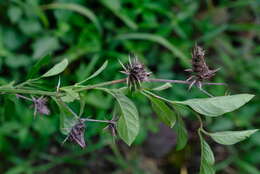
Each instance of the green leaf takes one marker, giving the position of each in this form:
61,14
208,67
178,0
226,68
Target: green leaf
162,87
207,158
158,39
35,69
217,106
70,95
57,69
95,73
182,133
67,118
166,115
128,123
231,137
77,8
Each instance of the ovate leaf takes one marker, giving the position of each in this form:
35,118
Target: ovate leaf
67,119
128,123
217,106
207,158
182,134
231,137
57,69
166,115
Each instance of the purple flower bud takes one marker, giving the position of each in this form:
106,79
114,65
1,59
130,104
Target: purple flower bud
76,134
136,73
40,106
200,69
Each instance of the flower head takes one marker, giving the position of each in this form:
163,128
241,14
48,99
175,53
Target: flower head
136,73
199,69
40,105
76,134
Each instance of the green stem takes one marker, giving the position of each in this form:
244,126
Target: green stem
27,82
100,85
26,91
100,121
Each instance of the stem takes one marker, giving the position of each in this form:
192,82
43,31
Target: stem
205,92
100,121
101,84
208,83
67,107
26,91
27,82
169,81
200,120
182,82
47,93
23,97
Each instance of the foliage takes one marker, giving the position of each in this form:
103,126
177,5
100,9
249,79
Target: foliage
36,34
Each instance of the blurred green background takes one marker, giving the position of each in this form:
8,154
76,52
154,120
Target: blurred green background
162,33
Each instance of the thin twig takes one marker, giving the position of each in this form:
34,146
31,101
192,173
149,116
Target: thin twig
207,83
169,81
100,85
26,91
23,97
205,92
100,121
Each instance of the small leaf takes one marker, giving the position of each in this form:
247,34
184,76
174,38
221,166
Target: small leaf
67,119
35,69
182,134
166,115
207,158
57,69
95,73
70,95
217,106
128,123
162,87
231,137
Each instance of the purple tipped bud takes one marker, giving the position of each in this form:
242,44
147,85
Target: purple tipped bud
200,69
136,73
76,134
40,106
